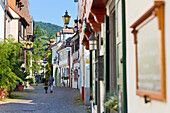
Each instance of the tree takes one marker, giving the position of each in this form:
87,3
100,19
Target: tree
48,67
38,51
45,33
9,63
38,31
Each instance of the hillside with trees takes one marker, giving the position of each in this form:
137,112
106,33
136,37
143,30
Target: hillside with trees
49,29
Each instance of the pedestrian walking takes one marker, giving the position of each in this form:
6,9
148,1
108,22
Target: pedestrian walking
46,86
36,79
50,80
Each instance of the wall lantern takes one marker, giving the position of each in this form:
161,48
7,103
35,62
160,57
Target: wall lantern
92,42
66,18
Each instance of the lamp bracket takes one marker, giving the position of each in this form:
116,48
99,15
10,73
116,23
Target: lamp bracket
95,26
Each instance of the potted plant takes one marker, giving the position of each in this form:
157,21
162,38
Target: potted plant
111,101
20,87
31,80
2,92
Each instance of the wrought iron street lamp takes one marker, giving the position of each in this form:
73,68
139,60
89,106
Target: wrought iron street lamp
92,42
66,18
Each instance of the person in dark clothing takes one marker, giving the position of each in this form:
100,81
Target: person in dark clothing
50,80
46,87
36,79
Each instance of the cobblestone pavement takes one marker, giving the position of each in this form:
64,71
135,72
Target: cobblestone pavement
36,101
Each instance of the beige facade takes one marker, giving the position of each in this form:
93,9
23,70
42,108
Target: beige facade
136,103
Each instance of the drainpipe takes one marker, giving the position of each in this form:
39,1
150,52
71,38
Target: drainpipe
5,24
124,57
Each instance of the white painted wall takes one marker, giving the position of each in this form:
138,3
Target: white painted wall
14,29
54,72
135,8
2,13
8,26
14,24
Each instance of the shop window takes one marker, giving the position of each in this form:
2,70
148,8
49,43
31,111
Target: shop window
148,33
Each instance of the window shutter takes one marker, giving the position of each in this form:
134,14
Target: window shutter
106,53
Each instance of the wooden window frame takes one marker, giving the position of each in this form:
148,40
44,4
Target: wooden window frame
157,10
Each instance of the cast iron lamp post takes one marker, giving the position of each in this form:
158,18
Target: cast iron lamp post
66,18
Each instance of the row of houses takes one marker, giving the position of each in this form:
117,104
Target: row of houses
119,48
131,58
16,22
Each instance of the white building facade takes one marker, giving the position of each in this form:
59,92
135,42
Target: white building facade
2,18
136,102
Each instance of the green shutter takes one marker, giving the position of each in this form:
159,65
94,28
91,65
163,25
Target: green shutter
106,54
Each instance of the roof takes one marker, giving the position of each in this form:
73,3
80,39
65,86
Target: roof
57,34
25,23
61,47
52,40
67,31
15,11
6,8
12,3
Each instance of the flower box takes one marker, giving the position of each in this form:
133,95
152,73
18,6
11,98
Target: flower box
20,87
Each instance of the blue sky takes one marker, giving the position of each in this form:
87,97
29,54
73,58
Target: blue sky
51,11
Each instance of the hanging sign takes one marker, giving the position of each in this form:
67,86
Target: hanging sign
28,45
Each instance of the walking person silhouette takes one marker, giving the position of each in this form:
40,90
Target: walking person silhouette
50,80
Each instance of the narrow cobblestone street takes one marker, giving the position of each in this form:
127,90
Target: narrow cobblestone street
34,100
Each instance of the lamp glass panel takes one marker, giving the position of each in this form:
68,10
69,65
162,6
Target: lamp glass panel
66,20
93,45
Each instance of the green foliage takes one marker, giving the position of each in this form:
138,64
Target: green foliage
65,78
48,67
50,28
17,70
9,64
38,32
43,80
111,101
31,80
38,51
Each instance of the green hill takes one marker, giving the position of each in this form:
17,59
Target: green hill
51,29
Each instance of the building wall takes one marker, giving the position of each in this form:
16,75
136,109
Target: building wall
55,67
8,26
1,22
14,29
14,24
136,103
25,13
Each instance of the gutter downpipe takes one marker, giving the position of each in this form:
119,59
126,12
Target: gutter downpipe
124,57
5,24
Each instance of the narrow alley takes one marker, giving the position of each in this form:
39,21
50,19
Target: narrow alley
34,100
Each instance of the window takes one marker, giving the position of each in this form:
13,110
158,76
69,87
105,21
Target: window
76,44
73,47
75,75
148,33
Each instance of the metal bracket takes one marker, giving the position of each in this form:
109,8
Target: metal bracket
146,99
